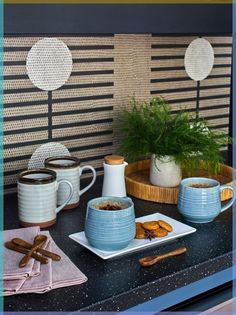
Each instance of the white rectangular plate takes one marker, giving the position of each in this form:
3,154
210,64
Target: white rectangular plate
179,230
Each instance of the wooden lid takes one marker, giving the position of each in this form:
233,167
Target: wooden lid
114,159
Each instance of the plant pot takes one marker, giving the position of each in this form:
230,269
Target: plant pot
164,172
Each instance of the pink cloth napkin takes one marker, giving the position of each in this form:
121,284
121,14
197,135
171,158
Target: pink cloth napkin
71,275
40,284
13,286
53,275
12,258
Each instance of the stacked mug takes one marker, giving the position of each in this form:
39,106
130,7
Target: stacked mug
42,193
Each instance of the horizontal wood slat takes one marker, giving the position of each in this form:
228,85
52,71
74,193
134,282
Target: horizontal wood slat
107,71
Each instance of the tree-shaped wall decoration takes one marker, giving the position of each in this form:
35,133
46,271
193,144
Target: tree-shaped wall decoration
49,65
199,61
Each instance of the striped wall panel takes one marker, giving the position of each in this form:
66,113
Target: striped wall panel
81,109
107,71
170,80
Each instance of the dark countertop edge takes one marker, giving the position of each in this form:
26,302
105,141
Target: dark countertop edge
216,265
186,293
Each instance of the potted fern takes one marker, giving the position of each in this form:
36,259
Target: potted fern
172,141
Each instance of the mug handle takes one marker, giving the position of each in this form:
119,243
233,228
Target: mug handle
88,167
70,195
230,203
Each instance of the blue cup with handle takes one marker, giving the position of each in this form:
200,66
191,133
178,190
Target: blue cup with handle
199,199
110,223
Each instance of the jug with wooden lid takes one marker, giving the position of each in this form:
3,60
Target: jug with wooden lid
114,179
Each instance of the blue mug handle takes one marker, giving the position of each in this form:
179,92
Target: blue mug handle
230,203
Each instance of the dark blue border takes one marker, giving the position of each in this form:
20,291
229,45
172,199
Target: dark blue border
118,18
161,19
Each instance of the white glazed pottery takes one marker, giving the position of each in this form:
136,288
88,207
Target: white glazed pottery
179,230
164,172
114,180
37,197
68,167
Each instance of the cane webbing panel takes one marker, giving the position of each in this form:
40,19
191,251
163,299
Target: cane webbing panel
107,72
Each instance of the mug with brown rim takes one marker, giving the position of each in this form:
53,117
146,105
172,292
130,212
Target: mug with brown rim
68,167
37,197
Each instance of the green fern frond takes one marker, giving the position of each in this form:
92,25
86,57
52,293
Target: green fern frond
151,128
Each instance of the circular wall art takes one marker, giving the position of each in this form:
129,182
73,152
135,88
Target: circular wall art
45,151
49,64
199,59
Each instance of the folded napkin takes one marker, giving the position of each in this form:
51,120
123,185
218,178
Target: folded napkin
12,258
11,286
40,284
64,272
53,275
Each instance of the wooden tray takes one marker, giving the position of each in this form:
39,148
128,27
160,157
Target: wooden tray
139,186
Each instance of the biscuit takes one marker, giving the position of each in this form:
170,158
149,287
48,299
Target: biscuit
160,232
150,225
140,234
165,225
138,225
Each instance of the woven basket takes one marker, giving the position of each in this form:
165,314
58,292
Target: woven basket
139,186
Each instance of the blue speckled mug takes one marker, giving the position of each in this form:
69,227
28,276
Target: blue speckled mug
110,230
202,205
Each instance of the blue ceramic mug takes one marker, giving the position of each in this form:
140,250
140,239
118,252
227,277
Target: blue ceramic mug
110,230
199,199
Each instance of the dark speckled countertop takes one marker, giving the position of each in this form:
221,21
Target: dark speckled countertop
121,283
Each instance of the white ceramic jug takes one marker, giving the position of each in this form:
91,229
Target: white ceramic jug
114,179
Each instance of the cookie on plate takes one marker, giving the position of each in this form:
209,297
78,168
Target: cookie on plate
150,225
165,225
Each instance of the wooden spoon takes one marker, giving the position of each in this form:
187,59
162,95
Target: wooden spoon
39,240
22,250
20,242
151,260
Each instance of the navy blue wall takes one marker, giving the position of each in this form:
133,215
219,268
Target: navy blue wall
109,18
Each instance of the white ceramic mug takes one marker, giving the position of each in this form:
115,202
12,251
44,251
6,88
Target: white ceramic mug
37,197
68,167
